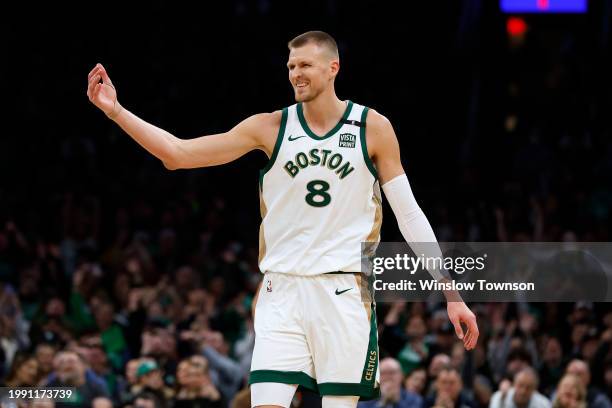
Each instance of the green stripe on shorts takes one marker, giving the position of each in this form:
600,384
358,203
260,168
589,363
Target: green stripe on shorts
284,377
369,369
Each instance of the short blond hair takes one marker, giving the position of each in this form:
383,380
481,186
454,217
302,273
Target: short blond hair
320,38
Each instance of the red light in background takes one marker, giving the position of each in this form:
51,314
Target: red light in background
516,26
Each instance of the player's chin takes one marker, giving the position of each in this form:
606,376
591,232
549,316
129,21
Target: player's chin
302,96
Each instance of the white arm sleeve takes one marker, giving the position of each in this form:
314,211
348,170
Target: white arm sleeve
411,221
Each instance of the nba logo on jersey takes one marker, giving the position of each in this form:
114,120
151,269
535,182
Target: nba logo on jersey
347,140
269,286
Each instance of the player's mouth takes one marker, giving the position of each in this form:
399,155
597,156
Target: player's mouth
301,85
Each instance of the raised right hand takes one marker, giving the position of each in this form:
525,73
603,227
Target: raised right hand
103,95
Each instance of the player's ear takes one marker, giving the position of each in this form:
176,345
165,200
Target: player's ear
334,67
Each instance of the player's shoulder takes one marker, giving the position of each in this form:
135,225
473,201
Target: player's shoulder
264,121
378,129
376,121
379,132
262,128
266,118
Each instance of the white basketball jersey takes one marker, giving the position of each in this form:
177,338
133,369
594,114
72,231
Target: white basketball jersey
319,197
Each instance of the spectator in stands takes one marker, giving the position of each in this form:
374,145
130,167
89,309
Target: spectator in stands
159,343
45,353
110,333
69,371
126,383
13,327
150,380
522,394
437,364
518,359
53,324
24,372
391,393
482,391
594,397
415,351
98,363
571,393
444,339
416,381
551,367
195,386
458,356
449,391
226,373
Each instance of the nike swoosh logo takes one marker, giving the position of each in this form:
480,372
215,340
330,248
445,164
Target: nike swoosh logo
339,292
291,138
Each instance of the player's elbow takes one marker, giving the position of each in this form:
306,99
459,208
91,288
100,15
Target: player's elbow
173,157
171,165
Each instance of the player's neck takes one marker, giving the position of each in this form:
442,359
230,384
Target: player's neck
324,112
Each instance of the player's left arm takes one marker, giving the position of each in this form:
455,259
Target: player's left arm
384,150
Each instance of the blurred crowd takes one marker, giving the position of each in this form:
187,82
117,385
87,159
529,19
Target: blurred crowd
136,324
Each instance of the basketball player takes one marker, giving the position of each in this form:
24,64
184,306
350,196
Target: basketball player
320,199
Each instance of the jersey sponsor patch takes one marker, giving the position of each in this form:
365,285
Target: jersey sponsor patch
347,140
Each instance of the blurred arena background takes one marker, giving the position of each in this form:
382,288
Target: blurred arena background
131,280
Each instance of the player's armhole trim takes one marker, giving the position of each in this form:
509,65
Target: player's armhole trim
364,146
277,146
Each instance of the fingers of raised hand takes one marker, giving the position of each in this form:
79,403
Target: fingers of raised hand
472,334
105,78
458,329
467,341
93,71
92,85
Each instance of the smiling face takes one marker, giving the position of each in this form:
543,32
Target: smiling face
312,70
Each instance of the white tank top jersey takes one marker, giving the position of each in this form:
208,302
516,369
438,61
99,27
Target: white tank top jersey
319,197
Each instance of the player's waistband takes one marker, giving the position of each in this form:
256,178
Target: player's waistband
340,273
318,274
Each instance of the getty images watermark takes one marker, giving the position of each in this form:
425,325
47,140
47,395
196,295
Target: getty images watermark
489,271
460,265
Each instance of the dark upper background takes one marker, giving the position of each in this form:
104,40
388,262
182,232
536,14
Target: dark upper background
443,73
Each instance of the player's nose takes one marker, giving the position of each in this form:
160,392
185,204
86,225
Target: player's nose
296,74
